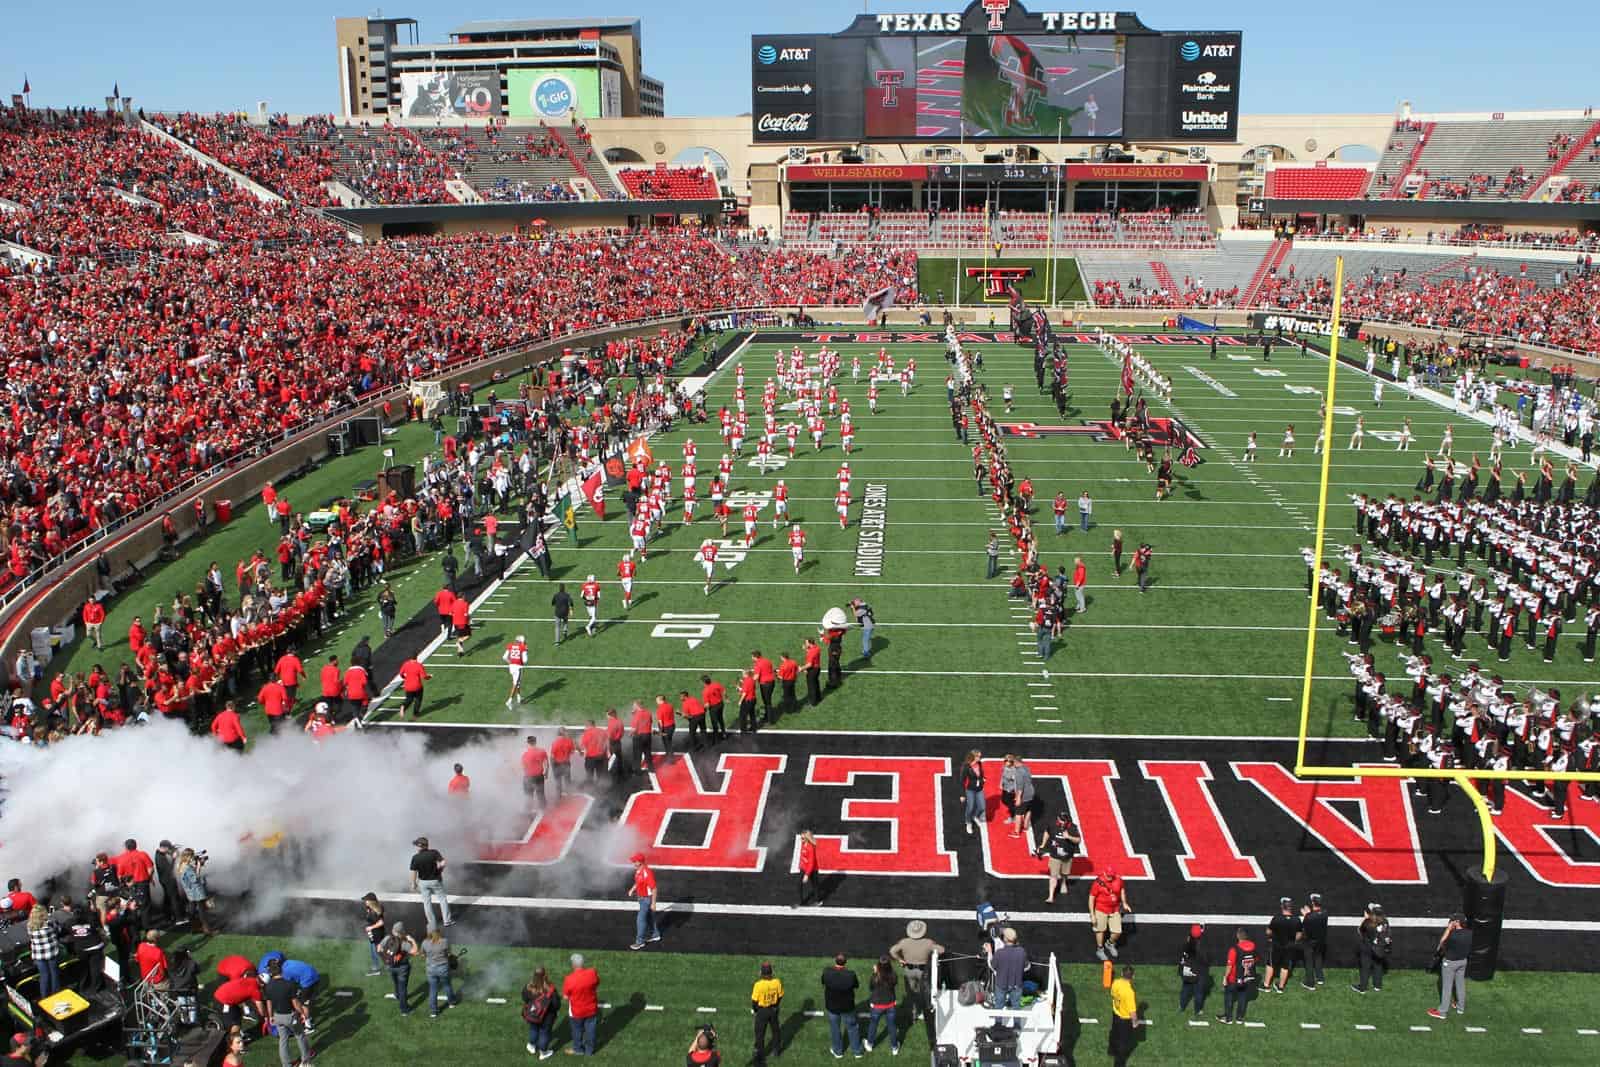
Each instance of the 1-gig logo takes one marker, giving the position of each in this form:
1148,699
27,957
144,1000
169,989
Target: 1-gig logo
1206,86
795,123
1204,120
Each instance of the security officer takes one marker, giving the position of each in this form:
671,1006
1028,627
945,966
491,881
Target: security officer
766,997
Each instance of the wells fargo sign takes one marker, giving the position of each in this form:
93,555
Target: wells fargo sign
850,172
1123,172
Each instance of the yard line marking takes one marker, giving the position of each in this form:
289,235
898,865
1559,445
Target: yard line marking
655,1007
814,1014
1422,1029
624,620
1582,1032
1198,1022
344,992
494,1000
1280,699
415,724
734,582
1365,1026
1532,1030
1263,1026
1311,1026
1088,1022
705,1010
1481,1030
878,914
1051,720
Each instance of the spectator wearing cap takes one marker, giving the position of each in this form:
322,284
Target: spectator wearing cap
1314,926
1455,945
914,954
1010,964
644,890
1284,934
766,999
1108,900
427,879
1194,972
1373,948
1124,1017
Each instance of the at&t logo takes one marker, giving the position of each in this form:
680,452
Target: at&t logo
767,54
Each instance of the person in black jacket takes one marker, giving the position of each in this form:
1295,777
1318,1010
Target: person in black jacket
1193,972
88,940
1375,941
1314,924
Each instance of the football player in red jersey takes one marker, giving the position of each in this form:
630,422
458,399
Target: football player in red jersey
708,560
797,546
752,514
780,503
590,593
515,656
626,568
841,502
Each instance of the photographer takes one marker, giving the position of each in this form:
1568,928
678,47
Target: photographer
190,870
703,1049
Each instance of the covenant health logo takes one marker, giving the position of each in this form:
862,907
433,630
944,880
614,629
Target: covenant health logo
1190,51
767,54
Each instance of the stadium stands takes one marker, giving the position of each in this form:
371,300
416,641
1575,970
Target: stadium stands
1319,182
1492,158
669,183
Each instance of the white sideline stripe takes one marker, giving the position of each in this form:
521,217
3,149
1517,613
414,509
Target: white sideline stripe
614,551
412,724
868,672
946,585
1327,624
963,915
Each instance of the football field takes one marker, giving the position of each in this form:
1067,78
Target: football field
1215,647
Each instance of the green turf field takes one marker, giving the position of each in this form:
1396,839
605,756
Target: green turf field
936,274
657,1000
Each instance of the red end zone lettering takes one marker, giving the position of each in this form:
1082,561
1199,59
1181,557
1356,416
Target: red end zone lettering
735,813
1210,854
550,837
1087,784
1525,828
1385,853
912,812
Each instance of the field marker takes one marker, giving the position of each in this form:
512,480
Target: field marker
1256,1026
1422,1029
1088,1022
1311,1026
494,1000
344,992
706,1010
1481,1030
1057,721
1581,1032
655,1007
1198,1022
1532,1030
1365,1026
815,1014
1279,699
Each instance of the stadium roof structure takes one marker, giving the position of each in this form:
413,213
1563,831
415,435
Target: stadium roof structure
596,22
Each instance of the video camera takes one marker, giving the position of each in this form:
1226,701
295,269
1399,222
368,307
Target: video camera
709,1032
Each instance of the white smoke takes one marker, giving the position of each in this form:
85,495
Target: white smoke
349,807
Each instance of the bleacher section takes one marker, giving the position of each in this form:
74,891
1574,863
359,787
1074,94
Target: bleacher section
1471,160
1015,231
1319,182
669,183
506,164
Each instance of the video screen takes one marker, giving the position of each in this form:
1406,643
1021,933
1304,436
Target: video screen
1000,86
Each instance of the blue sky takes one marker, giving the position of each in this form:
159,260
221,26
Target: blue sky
1359,55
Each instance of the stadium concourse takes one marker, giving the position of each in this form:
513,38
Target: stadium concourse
1162,722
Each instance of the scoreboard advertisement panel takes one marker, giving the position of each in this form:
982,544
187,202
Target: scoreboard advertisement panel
996,72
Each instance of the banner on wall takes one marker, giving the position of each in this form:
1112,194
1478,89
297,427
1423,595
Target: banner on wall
445,94
553,93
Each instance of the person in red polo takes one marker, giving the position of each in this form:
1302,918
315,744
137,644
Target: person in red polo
412,675
766,677
331,682
807,862
644,890
152,961
460,624
238,993
133,864
291,672
357,691
443,601
642,726
561,750
94,614
1108,899
227,728
274,700
535,766
594,746
460,784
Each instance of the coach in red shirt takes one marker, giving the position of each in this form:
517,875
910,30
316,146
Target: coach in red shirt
227,728
561,750
766,676
788,673
712,696
274,700
412,675
639,722
813,658
594,746
535,764
291,672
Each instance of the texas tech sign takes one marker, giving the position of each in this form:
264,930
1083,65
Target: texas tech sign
1195,820
994,16
997,280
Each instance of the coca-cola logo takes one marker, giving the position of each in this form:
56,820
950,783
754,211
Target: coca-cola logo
794,122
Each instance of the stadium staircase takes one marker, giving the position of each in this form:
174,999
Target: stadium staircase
463,192
1269,262
1163,276
343,195
1449,267
1582,144
602,184
1398,181
254,188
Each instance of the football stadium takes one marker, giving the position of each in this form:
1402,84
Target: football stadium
989,555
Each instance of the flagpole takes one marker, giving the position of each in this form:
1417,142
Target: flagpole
961,208
1050,220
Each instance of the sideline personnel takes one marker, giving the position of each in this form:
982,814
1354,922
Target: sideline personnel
766,998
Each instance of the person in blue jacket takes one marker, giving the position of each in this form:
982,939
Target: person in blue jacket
302,974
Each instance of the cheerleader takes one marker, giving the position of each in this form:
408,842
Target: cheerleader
1447,442
1356,436
1287,448
1250,448
1404,444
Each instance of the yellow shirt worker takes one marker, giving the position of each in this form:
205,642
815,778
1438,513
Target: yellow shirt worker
1124,1017
765,997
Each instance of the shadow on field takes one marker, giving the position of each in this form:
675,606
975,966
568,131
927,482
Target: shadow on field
615,1021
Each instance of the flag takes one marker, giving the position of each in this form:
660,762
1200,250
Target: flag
1127,374
591,493
877,303
26,87
1190,457
115,91
1185,322
638,451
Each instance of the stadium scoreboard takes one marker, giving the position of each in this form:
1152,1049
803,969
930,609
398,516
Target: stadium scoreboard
996,72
